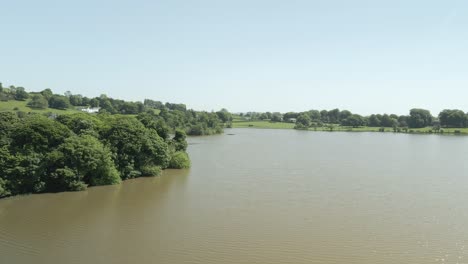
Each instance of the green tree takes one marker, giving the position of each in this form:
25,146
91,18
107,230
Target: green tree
303,120
21,94
38,134
179,140
374,121
38,101
59,102
354,120
419,118
324,116
453,118
88,159
47,93
276,117
225,116
76,99
334,116
314,115
135,146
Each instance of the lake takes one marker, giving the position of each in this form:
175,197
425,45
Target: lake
263,196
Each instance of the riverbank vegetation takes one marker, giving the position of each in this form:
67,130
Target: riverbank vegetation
49,144
418,121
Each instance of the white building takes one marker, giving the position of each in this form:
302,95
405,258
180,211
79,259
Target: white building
91,110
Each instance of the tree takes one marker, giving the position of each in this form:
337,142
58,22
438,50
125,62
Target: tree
88,159
388,121
419,118
225,116
287,116
303,120
374,121
81,123
179,140
94,102
354,120
38,101
37,133
76,99
344,114
47,93
314,115
403,121
453,118
334,116
153,104
8,121
59,102
21,94
134,146
276,117
324,116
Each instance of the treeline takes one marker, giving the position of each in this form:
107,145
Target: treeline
176,116
70,152
417,118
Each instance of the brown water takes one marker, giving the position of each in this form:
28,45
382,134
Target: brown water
263,196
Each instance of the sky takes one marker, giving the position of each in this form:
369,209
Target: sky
243,55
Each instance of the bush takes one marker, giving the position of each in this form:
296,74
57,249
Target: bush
3,189
300,126
151,171
179,160
77,186
457,132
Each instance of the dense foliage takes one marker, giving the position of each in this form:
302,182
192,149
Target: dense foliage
174,116
68,152
417,118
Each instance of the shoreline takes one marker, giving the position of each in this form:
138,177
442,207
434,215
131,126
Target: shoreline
289,126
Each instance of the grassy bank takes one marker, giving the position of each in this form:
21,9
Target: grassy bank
281,125
262,124
14,105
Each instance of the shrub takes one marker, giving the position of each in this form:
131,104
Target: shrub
77,186
150,171
179,160
3,189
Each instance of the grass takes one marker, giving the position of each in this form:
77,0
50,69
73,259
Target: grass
239,123
14,105
261,124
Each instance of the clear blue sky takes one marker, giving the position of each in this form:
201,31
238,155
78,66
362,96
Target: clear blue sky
265,55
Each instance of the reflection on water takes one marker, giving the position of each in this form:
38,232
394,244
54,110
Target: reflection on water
262,196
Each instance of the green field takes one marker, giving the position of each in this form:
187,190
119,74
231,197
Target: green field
22,106
261,124
239,123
